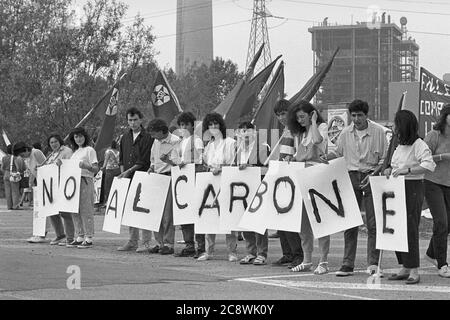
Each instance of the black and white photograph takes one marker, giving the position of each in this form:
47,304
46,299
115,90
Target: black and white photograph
227,158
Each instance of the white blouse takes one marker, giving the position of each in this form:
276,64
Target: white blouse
220,152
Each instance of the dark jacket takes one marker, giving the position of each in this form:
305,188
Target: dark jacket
137,152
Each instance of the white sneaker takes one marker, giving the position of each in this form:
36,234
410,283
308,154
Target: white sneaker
372,270
444,272
36,239
204,257
232,257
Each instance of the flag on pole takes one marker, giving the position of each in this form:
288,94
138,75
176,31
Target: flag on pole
106,134
164,101
264,117
243,105
5,138
310,88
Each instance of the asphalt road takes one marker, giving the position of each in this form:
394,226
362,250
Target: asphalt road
40,271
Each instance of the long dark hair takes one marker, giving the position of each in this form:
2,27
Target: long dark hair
406,127
442,122
211,118
307,108
82,131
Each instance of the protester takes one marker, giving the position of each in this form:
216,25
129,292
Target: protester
164,155
290,241
310,134
437,192
84,219
363,145
62,222
412,158
190,151
16,165
134,155
110,167
257,244
34,158
219,151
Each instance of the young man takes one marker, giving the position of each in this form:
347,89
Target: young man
190,151
363,145
134,155
290,241
163,156
257,244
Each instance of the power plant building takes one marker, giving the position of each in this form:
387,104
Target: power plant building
194,40
371,56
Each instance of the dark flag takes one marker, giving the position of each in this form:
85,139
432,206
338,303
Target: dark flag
310,88
164,101
264,117
106,134
242,106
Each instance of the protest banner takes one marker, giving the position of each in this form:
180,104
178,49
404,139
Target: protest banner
98,179
206,204
329,198
145,201
47,190
277,203
39,222
69,186
115,205
389,201
237,189
433,95
183,184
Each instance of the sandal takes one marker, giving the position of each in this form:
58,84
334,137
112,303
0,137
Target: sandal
248,259
302,267
259,261
322,268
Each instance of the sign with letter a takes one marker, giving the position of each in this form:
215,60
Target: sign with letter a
69,186
183,184
389,201
329,198
145,202
114,206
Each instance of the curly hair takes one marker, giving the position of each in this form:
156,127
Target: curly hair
406,127
78,131
357,106
306,107
214,117
442,122
186,117
157,125
281,106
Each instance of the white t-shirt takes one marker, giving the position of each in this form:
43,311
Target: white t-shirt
186,150
88,155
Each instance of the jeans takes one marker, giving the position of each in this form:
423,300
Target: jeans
166,234
291,245
84,219
68,229
230,239
109,177
414,198
12,194
257,244
188,235
307,237
363,195
438,199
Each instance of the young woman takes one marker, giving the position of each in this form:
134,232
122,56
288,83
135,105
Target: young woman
219,151
84,219
412,158
64,232
437,192
310,133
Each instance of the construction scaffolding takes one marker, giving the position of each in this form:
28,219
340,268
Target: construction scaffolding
369,58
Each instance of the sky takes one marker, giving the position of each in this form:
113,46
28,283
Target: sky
428,23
